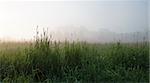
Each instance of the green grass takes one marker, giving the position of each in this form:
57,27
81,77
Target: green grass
47,61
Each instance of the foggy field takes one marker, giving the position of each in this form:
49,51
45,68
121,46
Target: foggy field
47,61
76,41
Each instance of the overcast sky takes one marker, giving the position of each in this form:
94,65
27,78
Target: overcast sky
18,20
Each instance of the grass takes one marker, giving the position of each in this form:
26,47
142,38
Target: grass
49,61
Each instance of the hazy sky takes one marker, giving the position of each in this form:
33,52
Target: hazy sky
18,20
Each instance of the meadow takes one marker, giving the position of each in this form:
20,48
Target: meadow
49,61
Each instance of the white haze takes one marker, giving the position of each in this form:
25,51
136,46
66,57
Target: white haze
75,20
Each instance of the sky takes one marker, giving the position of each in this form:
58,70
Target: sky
19,19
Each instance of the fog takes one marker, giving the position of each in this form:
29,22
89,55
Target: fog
94,21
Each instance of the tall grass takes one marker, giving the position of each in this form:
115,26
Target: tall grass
50,61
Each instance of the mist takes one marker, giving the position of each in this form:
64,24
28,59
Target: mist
93,21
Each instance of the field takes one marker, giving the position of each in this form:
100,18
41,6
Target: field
49,61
